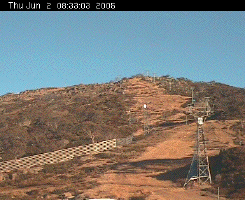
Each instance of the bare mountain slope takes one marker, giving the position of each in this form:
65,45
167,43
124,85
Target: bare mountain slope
49,119
153,167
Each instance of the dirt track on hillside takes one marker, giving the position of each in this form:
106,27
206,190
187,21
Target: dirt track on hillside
159,172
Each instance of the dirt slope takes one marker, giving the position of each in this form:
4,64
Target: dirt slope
161,106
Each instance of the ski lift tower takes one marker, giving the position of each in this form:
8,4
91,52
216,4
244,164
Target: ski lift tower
199,169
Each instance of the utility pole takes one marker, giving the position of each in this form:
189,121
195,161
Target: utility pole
192,96
218,193
147,73
91,135
146,126
154,77
170,83
130,120
241,133
200,169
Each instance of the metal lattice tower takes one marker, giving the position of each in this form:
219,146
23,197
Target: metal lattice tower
200,169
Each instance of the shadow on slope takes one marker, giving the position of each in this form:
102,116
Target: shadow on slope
179,174
175,170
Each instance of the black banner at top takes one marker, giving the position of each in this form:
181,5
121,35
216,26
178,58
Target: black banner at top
78,6
100,6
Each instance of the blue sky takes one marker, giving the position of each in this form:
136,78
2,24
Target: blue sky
58,49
